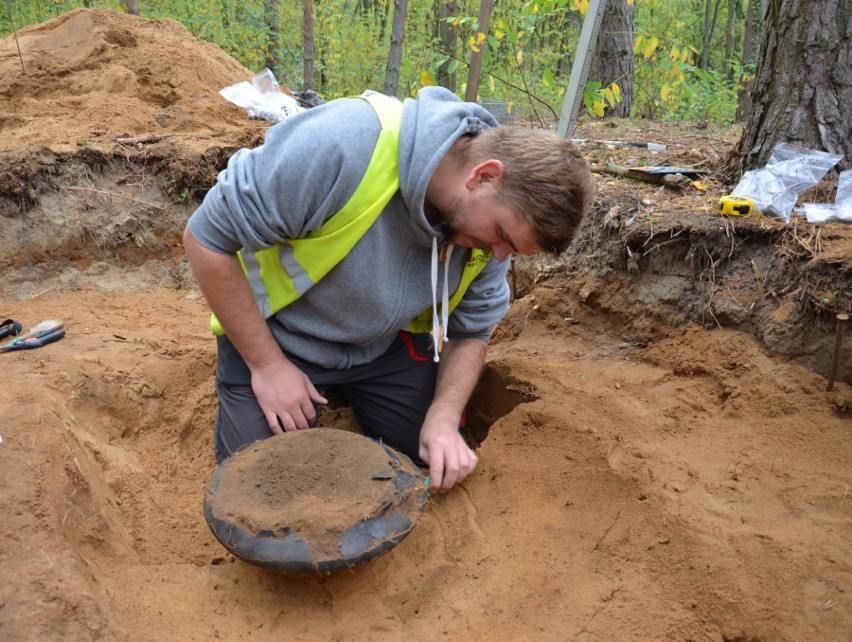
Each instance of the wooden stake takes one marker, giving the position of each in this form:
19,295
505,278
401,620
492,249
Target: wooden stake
838,339
17,44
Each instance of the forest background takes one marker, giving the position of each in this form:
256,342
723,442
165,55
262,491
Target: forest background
680,60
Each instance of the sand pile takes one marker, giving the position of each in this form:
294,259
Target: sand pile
100,74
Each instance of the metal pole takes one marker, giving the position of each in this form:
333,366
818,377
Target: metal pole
580,67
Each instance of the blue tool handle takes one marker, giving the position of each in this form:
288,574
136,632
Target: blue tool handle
35,342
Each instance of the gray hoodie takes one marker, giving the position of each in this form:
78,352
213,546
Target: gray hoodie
305,172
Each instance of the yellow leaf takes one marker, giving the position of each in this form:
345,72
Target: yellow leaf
509,106
637,46
675,53
701,187
499,34
598,107
520,57
491,83
427,79
480,38
617,91
665,92
475,48
610,96
684,55
649,49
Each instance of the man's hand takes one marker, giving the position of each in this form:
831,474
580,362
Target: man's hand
449,457
286,396
284,392
441,444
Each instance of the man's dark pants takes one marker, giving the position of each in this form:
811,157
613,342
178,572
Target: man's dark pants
389,396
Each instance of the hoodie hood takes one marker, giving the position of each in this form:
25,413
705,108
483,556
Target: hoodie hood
430,126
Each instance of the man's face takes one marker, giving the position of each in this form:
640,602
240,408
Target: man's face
482,219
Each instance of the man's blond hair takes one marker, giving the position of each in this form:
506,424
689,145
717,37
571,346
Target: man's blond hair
545,179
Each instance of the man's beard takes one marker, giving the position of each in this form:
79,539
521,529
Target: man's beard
451,218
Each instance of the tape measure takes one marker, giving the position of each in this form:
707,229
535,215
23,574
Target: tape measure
736,206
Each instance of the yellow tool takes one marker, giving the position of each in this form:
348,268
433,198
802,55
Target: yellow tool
736,206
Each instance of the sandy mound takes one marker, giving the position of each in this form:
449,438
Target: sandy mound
96,74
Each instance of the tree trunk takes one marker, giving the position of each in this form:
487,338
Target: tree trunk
572,28
384,20
729,40
449,43
133,7
802,90
613,61
475,71
308,44
272,18
750,38
400,9
711,13
751,33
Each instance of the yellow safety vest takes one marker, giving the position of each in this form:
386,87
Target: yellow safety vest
281,274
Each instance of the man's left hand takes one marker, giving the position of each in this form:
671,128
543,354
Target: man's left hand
450,459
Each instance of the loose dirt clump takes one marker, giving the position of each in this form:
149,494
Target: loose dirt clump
659,456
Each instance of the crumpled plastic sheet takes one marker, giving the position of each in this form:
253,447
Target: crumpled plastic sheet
790,171
840,211
262,98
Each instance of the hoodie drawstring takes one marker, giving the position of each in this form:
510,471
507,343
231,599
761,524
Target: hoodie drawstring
445,298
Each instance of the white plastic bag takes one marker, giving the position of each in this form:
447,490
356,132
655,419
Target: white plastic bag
843,200
790,171
262,98
841,211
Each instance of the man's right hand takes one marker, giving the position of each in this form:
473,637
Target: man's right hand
286,396
284,392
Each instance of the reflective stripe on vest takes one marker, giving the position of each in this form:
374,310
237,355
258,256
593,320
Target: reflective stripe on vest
281,274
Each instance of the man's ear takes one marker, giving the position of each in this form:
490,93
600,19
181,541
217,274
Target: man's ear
490,171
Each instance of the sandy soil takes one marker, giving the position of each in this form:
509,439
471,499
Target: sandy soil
659,456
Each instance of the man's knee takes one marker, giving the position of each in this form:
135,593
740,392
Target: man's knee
239,421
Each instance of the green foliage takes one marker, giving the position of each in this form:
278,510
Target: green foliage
238,28
350,59
669,84
596,97
528,50
20,13
708,97
524,52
